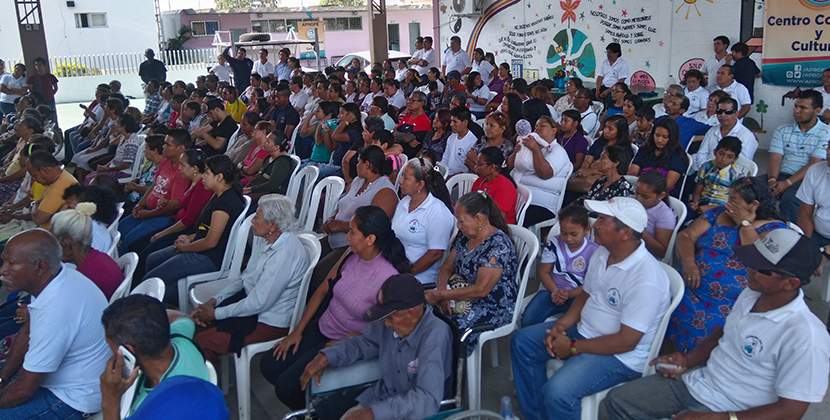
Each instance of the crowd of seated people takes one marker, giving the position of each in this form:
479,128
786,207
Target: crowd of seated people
390,261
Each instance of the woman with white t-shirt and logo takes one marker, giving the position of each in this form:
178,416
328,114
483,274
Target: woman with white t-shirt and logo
423,219
478,94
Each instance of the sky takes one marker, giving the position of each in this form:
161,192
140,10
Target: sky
207,4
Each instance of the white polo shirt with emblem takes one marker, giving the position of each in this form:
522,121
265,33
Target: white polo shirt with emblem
763,356
612,73
456,151
427,227
456,61
634,292
738,92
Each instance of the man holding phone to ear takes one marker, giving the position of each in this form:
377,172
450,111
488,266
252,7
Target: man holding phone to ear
159,341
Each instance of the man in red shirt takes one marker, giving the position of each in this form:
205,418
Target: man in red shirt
44,83
414,125
162,200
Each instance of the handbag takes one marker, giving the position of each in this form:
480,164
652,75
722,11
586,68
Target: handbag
459,307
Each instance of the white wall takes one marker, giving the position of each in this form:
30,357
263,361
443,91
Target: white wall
131,26
82,89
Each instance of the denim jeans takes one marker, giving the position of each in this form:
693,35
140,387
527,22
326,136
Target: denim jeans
171,266
43,405
651,397
327,169
560,397
132,229
541,307
303,146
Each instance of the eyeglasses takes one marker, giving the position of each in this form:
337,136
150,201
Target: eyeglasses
726,111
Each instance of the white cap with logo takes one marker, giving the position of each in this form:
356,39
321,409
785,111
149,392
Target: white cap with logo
627,210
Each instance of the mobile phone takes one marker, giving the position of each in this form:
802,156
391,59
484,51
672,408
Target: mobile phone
129,362
669,368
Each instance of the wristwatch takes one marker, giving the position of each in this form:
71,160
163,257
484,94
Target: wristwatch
745,223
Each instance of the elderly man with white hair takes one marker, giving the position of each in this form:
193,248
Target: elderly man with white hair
258,305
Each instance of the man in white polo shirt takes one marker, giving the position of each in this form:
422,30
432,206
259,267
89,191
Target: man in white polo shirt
456,59
713,63
606,334
729,126
612,71
263,67
814,194
770,360
60,352
459,142
738,92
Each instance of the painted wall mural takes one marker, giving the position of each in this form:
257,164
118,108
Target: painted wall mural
570,35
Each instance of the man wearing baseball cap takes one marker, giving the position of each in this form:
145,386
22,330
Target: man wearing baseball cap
606,334
770,360
414,349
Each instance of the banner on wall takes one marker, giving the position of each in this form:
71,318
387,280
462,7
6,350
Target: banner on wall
796,42
305,31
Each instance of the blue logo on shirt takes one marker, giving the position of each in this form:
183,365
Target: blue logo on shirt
752,346
613,296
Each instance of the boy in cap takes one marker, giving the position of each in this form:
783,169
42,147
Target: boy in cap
770,360
606,334
414,350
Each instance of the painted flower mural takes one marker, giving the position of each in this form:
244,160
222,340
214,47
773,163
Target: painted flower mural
571,52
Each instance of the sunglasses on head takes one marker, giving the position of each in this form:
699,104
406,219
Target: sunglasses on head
726,111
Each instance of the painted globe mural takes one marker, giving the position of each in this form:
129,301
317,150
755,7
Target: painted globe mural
571,52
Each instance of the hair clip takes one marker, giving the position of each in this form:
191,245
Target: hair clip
483,193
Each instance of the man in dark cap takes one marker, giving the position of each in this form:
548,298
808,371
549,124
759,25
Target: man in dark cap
771,359
414,350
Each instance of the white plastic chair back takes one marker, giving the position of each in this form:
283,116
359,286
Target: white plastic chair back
682,180
127,263
537,228
304,179
443,169
404,159
231,261
527,248
590,404
151,287
562,194
679,209
293,140
333,187
635,148
464,183
632,179
522,203
113,227
113,251
212,377
749,167
795,227
243,361
138,160
598,107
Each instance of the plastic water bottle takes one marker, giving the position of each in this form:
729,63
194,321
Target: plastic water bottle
506,408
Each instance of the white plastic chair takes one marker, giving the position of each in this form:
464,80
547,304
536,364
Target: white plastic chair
522,203
113,251
243,361
527,247
443,169
333,187
153,287
537,228
590,404
212,378
231,261
464,182
632,179
135,168
293,140
113,227
304,179
127,263
682,180
749,167
679,209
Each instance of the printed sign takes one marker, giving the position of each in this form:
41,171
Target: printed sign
305,31
796,42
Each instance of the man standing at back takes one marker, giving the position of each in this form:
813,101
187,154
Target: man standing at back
53,366
456,59
263,67
241,66
44,84
606,335
713,63
152,68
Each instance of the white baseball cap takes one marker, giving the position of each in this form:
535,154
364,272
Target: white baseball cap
627,210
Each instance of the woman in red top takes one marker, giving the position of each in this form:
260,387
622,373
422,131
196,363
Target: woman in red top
494,179
253,162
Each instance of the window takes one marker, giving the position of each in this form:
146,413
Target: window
343,24
90,20
204,28
277,26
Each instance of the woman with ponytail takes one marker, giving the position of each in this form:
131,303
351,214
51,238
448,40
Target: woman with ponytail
494,179
73,229
423,219
479,275
375,253
202,252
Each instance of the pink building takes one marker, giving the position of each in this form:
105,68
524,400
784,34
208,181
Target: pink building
346,29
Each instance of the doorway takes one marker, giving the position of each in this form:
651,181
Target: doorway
414,33
394,35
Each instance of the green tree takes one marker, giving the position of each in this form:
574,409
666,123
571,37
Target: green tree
344,3
181,37
228,4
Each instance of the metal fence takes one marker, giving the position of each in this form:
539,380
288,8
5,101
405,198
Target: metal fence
125,63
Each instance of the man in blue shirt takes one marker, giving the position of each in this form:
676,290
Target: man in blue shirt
795,148
281,69
241,66
689,127
746,71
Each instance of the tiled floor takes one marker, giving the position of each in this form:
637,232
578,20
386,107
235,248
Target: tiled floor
495,382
